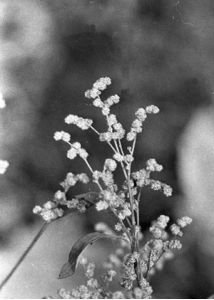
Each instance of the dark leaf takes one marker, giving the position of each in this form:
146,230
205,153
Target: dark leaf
90,198
66,271
69,268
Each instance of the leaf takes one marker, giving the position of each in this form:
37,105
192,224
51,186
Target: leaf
69,268
89,198
66,271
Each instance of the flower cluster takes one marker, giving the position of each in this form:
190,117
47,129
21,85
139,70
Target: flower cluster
176,229
134,260
71,180
142,178
91,290
75,150
49,211
100,85
80,122
141,115
62,136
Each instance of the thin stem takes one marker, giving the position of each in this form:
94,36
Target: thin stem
148,265
128,221
138,212
22,257
121,163
121,147
97,132
114,150
123,225
129,187
88,165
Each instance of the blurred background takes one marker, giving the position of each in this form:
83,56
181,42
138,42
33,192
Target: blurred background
156,52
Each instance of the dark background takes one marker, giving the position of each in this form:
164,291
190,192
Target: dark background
156,52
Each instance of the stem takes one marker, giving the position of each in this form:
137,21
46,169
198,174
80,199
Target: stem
114,150
138,212
121,163
97,132
121,147
22,257
148,265
88,165
129,187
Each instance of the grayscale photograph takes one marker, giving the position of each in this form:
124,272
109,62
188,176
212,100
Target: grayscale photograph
106,149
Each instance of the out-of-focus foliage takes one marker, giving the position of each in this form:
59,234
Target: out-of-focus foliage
158,52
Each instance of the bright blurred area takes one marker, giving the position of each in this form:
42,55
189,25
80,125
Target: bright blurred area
156,52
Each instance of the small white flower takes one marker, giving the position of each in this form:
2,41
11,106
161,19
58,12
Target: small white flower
98,103
175,244
2,101
62,135
76,145
71,119
167,190
162,221
153,166
72,153
37,209
129,158
49,205
117,156
94,93
102,83
156,185
184,221
83,153
115,98
176,230
101,205
59,195
152,109
105,136
71,179
66,137
137,126
58,135
118,227
4,164
49,215
83,178
105,110
88,94
112,119
130,136
92,283
110,164
141,114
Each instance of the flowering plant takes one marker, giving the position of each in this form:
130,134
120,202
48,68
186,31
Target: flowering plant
135,257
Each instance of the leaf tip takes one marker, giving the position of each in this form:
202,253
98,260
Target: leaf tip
66,271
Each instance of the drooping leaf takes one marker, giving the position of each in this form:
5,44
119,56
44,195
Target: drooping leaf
69,268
